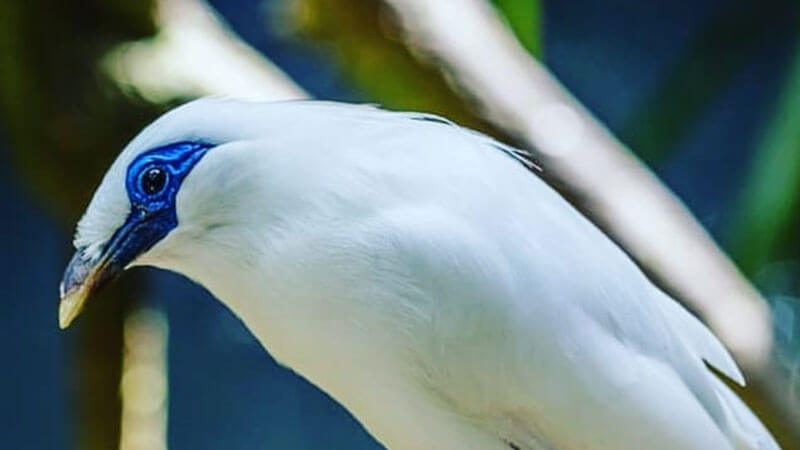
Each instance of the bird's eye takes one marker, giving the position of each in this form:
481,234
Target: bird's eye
154,180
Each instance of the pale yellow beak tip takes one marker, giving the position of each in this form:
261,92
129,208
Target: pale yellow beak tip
70,306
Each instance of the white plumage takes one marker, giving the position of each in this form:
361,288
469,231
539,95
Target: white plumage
429,282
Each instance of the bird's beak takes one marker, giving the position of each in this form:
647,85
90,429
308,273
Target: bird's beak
85,275
82,278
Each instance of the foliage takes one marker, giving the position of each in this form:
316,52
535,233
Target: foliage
711,60
770,206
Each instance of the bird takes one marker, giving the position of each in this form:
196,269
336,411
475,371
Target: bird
422,274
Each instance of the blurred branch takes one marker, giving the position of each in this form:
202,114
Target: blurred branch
193,55
144,386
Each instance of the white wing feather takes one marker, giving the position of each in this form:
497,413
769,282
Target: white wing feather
701,340
622,319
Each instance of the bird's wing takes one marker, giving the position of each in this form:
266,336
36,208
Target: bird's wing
592,353
741,425
699,339
590,345
540,321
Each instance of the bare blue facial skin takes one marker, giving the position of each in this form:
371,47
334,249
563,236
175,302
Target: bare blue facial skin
152,183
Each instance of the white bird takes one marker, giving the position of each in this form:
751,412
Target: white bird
417,272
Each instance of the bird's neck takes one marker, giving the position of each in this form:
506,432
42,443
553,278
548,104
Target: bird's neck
288,289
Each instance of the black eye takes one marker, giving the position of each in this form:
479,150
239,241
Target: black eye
154,180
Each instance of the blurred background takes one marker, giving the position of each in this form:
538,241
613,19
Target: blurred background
706,93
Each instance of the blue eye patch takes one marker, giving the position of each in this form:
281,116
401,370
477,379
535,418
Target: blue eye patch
152,184
175,161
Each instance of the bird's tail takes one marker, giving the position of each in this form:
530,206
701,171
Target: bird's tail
747,432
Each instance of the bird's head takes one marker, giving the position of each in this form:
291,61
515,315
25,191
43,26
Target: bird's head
164,181
190,191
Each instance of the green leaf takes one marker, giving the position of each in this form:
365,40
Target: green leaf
711,61
770,203
524,17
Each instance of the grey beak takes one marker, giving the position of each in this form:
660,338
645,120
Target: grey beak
81,279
